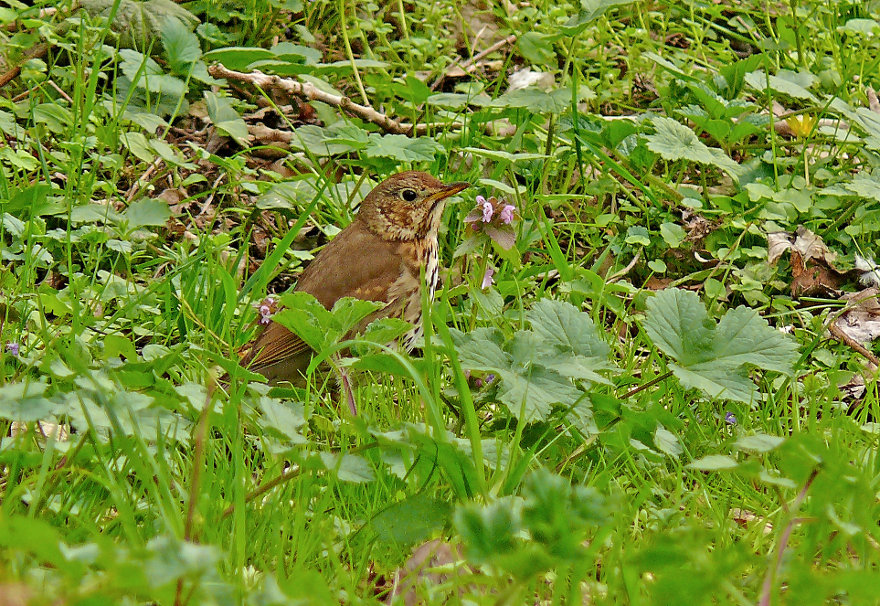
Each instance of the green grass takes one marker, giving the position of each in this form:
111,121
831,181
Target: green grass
136,232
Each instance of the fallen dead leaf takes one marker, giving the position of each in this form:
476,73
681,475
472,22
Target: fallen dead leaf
861,319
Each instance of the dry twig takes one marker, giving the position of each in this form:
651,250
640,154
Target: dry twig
312,93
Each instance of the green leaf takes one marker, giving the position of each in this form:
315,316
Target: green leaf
673,234
283,417
181,46
348,467
590,10
536,47
536,100
306,318
759,442
24,402
561,324
759,80
711,357
225,118
148,211
139,24
674,141
412,520
530,395
666,442
403,148
714,463
489,531
481,349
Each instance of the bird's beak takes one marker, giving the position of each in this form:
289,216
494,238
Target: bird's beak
449,190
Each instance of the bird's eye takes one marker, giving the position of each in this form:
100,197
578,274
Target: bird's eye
409,195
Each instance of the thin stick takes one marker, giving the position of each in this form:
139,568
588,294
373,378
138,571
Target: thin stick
312,93
469,65
838,333
136,186
287,475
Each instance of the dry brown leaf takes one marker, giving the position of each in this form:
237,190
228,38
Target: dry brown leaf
861,319
812,263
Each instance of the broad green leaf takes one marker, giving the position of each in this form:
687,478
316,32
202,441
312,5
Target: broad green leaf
348,467
139,24
589,11
24,402
148,211
536,47
714,358
530,395
306,318
674,141
759,80
673,234
666,442
403,148
489,530
714,463
284,417
536,100
481,349
865,185
561,324
759,442
225,118
238,58
411,520
180,45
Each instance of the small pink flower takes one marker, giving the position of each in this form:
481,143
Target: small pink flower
266,308
488,280
488,209
506,214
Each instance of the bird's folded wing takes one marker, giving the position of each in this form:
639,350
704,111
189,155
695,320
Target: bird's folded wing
338,271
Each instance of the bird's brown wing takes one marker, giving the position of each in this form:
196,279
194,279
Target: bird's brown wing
336,272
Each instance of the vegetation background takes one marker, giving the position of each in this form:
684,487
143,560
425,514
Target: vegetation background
650,382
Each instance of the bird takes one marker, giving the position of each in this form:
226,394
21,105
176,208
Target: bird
380,256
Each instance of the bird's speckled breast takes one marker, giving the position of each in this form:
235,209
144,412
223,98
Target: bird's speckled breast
413,313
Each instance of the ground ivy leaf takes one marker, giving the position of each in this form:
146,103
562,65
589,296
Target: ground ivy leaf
481,349
666,442
674,141
562,324
714,358
530,396
348,467
24,402
761,442
148,211
714,463
403,148
717,382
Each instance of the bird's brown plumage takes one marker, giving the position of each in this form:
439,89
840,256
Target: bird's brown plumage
378,257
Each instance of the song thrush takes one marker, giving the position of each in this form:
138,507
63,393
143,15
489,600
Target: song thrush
378,257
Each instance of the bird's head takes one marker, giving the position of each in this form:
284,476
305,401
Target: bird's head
407,205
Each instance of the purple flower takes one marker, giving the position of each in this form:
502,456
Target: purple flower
266,308
488,209
729,418
489,378
506,214
487,278
12,348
